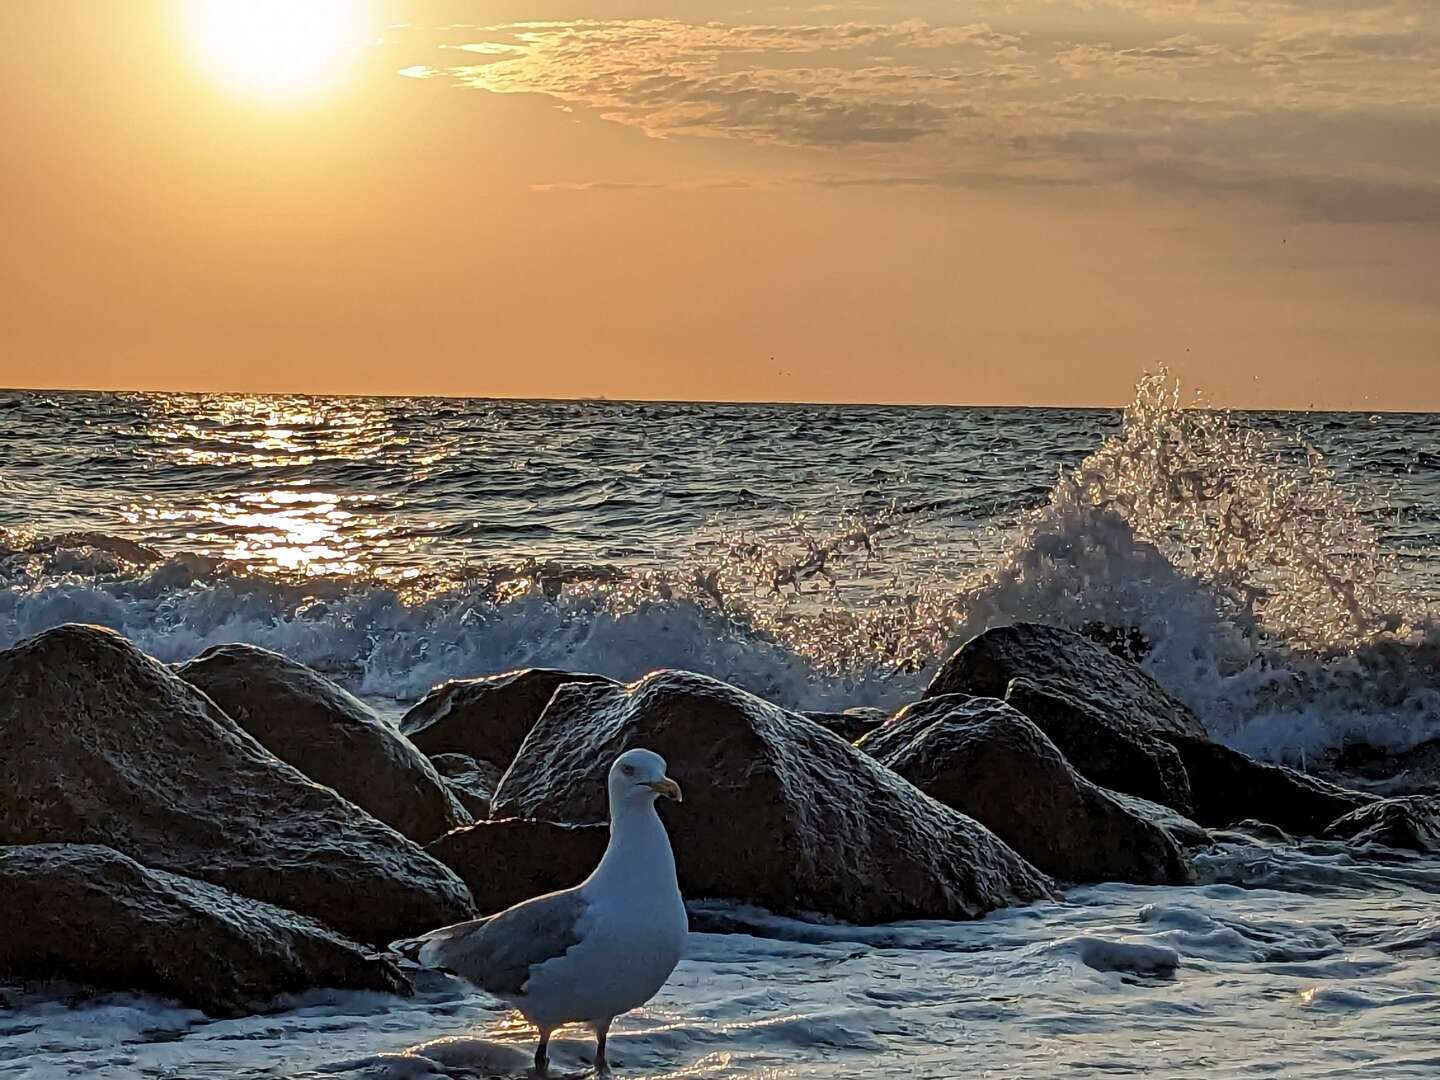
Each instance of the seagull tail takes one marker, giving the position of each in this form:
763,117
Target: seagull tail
428,949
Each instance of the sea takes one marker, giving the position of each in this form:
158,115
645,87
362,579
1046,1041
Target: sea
1283,570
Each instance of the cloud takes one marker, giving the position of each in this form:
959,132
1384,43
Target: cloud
1328,107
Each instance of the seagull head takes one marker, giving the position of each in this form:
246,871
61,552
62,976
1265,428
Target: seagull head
638,776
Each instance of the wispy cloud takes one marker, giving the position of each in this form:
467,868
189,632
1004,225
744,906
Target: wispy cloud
1328,106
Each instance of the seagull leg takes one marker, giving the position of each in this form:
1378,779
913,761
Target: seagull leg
602,1066
542,1053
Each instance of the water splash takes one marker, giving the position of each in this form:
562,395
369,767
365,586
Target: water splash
1268,599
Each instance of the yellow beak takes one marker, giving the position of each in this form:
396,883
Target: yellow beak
667,787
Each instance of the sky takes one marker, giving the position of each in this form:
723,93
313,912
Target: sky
998,202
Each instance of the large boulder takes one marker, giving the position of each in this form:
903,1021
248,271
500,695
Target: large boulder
329,735
486,718
851,724
985,759
514,859
471,780
1228,787
86,913
778,811
100,744
1110,715
1186,833
1103,747
1415,771
1050,657
1411,822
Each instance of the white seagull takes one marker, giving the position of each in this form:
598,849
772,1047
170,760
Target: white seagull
587,954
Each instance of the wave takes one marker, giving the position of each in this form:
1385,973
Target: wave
1266,597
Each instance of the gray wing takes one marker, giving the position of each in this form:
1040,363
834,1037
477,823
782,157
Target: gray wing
496,954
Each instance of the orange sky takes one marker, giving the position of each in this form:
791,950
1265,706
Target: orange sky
1020,203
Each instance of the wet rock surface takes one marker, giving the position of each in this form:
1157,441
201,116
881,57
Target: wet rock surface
1103,746
1408,772
100,744
486,718
852,724
329,735
1048,656
777,810
1186,833
507,861
471,780
1410,822
1228,787
985,759
88,914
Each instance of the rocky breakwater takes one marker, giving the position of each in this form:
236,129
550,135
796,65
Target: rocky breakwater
984,758
1122,730
778,810
105,751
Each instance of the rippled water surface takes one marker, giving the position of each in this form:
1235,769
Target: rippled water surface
1305,982
1285,570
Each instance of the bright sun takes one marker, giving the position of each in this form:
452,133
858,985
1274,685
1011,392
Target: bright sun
277,48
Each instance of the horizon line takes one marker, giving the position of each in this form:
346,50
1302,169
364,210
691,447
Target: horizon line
541,400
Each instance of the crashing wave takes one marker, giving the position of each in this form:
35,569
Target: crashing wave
1259,584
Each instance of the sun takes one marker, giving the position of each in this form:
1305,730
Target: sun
277,49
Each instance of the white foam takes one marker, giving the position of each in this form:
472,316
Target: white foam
1271,606
1118,978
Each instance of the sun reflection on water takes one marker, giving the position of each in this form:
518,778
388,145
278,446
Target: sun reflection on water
259,514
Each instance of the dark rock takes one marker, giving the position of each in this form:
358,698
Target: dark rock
985,759
88,914
852,724
505,862
1187,834
1227,787
486,718
900,729
100,744
1410,821
1103,746
1408,772
777,811
1058,659
471,781
329,735
1127,642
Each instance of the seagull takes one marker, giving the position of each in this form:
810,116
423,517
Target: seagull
587,954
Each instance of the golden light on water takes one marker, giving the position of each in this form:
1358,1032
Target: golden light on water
277,49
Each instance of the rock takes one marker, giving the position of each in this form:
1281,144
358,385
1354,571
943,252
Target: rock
486,718
778,811
1109,713
1057,659
100,744
899,730
852,724
1126,642
328,735
1410,821
511,860
985,759
1409,772
472,781
1228,787
86,913
1104,747
1187,834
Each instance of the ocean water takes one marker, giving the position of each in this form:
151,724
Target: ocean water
1284,567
